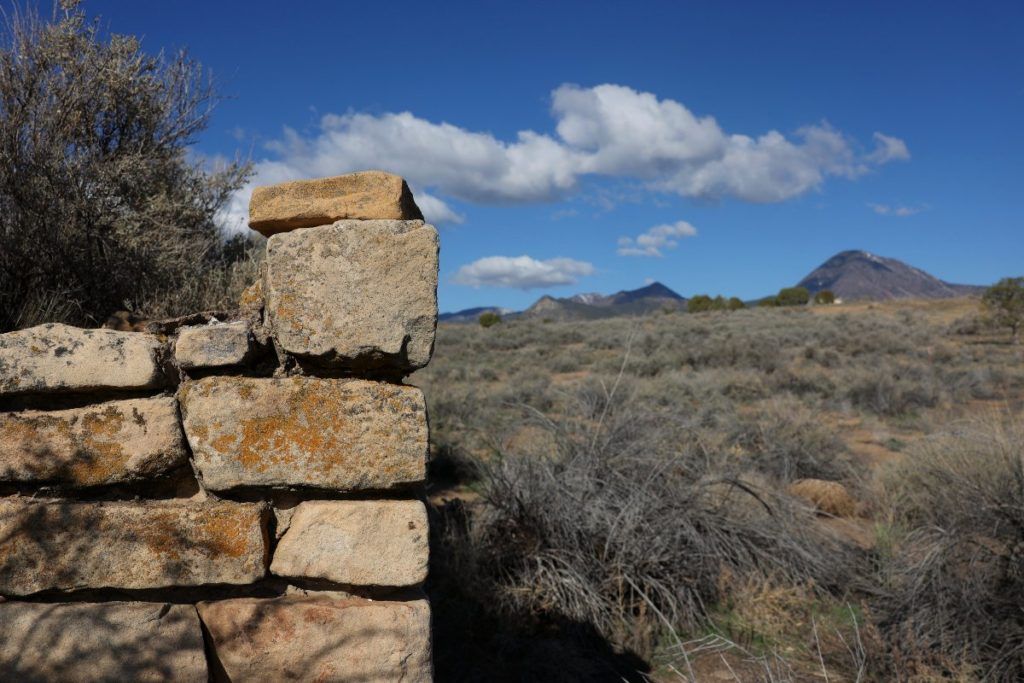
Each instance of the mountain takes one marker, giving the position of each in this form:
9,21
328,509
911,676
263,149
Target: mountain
471,315
652,292
851,275
653,297
862,275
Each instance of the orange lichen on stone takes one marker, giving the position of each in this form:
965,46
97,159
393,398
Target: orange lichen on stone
69,545
336,433
109,443
225,532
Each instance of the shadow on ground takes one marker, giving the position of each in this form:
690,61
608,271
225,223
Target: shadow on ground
479,637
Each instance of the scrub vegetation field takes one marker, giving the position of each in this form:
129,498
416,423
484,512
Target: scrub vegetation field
815,493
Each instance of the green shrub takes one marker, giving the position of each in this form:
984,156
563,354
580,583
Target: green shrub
825,297
489,318
699,303
1004,303
768,302
702,303
793,296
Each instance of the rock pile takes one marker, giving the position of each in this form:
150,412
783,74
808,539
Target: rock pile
237,500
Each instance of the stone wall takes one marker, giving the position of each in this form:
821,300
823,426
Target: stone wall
233,497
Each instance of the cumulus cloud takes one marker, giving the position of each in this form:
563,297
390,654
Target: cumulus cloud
896,210
607,130
888,149
522,272
435,210
655,240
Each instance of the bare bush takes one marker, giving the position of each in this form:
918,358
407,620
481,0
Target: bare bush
956,585
100,207
623,518
787,441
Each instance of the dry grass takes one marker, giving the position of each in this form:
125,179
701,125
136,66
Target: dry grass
625,485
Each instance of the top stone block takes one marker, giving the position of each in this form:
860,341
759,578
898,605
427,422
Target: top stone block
366,195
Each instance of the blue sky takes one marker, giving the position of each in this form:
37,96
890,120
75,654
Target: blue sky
719,147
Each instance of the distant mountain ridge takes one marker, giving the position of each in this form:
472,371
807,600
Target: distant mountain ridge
652,297
471,315
856,274
851,275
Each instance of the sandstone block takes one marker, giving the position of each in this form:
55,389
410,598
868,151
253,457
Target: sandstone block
345,434
112,641
298,638
308,203
56,357
355,294
212,346
65,546
356,542
108,443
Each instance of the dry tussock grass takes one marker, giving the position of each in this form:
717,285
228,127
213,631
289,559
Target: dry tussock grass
614,505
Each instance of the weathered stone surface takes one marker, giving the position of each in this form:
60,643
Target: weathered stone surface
113,641
212,346
308,203
298,431
107,443
321,639
58,357
356,542
357,294
62,545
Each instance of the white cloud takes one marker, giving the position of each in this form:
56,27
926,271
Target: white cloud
435,210
896,210
654,240
888,149
522,272
607,130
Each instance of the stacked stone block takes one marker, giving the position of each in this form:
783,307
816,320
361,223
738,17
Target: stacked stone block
232,499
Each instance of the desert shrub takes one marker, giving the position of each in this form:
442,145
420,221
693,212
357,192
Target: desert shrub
892,389
489,319
793,296
787,441
100,207
825,297
1004,305
956,584
622,520
699,303
768,302
735,304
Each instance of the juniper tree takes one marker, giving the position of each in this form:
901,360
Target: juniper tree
1004,302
